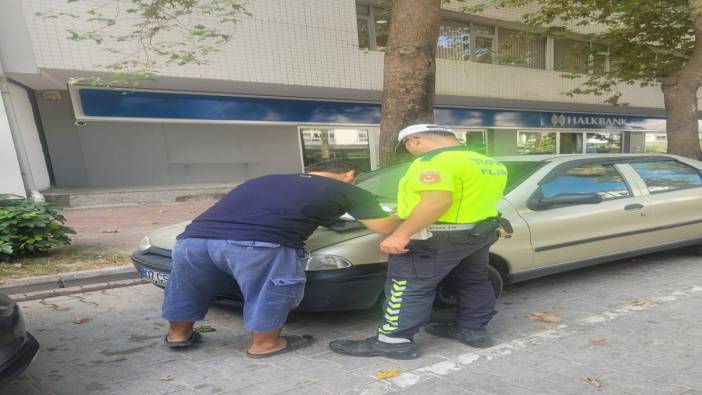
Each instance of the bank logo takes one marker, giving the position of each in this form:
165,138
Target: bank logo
561,120
558,120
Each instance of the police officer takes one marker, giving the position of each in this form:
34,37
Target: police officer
448,203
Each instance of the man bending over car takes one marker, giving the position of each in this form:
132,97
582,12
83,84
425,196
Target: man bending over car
255,235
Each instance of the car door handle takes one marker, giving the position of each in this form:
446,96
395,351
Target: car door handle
633,207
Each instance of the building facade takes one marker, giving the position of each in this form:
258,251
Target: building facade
301,81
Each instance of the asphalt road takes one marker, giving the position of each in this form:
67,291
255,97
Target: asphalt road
631,327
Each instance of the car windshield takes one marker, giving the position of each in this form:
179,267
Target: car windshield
383,182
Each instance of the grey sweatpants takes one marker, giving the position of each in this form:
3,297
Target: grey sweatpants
412,279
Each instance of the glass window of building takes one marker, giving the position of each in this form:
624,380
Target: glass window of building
484,50
459,40
363,23
373,25
363,26
320,144
604,180
666,176
381,19
600,64
485,42
603,142
657,143
466,41
454,41
521,49
568,57
535,143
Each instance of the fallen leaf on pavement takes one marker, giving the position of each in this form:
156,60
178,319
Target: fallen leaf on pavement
592,381
387,374
167,377
641,303
599,341
204,328
549,325
162,211
81,320
545,317
109,231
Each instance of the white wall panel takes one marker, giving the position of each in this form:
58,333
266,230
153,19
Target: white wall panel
312,43
30,136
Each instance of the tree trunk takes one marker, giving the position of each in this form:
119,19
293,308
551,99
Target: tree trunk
324,144
680,95
409,77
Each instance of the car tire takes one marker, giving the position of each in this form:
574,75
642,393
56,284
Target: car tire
445,304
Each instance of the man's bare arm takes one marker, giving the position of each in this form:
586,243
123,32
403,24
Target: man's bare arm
382,225
432,206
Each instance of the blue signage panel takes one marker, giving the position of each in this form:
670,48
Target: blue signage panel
191,106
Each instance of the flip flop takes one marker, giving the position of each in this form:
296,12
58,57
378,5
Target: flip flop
295,342
195,338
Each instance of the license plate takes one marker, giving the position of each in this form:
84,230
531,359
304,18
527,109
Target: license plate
158,278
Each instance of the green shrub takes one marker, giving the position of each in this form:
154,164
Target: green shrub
29,228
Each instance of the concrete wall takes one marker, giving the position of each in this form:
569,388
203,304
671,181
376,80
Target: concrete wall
30,135
305,43
116,154
63,142
10,175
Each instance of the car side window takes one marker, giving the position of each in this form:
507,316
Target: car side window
666,176
603,179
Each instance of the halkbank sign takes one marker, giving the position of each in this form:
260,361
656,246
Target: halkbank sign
588,121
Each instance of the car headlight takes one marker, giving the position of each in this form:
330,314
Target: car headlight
326,262
144,244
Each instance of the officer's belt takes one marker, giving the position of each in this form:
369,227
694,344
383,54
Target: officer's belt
449,227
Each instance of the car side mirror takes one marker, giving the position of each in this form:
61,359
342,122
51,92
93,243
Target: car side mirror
564,199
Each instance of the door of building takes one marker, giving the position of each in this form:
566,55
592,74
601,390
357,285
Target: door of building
570,143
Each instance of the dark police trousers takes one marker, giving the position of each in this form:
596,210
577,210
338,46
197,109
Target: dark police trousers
412,279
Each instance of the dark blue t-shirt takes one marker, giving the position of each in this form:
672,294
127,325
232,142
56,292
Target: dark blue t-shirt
283,209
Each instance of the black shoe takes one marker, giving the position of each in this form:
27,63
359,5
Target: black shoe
478,338
371,347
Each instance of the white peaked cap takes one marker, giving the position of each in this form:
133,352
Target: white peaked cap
421,128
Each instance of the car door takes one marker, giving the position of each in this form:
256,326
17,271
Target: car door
674,193
583,232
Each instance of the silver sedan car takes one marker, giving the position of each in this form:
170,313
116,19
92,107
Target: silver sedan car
567,211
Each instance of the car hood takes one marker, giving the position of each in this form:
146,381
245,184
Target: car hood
165,238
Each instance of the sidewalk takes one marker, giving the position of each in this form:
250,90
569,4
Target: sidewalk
123,227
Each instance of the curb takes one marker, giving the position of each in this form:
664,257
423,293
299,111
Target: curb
50,293
56,282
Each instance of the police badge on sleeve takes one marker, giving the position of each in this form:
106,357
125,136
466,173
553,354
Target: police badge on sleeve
429,177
